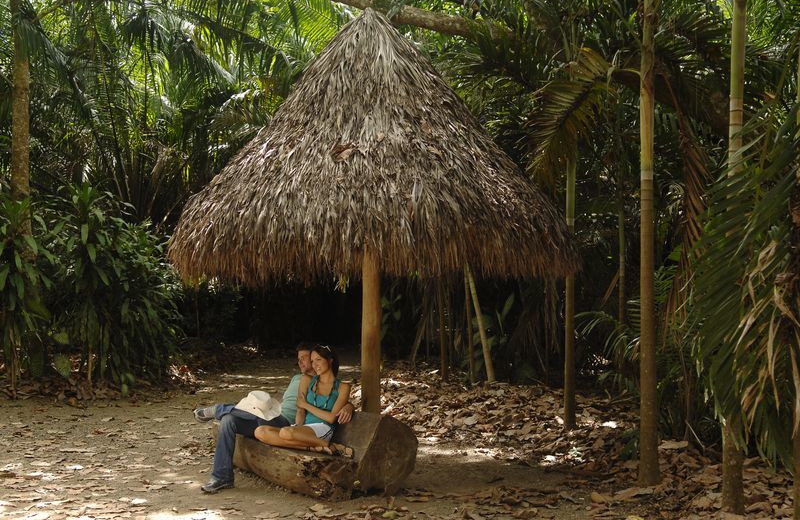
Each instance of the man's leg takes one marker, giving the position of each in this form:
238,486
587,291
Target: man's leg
233,422
221,410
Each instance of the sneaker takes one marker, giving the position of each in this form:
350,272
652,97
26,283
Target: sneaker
215,485
204,414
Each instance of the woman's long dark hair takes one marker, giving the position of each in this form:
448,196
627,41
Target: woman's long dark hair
330,354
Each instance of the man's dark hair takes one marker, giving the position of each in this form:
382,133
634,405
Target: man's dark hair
305,345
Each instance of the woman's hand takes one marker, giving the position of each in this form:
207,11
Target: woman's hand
302,404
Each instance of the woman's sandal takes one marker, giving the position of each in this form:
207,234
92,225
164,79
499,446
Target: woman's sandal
341,450
320,449
334,448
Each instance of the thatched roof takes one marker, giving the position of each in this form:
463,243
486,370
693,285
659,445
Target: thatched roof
371,147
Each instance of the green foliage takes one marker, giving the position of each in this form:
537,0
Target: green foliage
682,405
747,316
497,333
22,311
116,295
150,99
62,365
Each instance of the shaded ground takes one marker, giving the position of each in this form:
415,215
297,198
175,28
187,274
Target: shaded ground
487,452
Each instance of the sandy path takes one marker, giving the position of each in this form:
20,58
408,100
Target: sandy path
146,458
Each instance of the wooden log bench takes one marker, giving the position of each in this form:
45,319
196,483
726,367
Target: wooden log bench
384,453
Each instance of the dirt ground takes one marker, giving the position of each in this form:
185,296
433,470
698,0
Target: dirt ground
147,458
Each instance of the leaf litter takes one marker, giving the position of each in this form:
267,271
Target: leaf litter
117,466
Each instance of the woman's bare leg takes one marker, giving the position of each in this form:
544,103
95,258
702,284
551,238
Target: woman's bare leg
300,437
302,434
288,439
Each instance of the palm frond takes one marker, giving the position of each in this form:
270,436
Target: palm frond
569,110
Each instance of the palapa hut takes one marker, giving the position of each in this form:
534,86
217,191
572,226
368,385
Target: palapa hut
372,165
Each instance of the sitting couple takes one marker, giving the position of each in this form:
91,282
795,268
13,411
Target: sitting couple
313,403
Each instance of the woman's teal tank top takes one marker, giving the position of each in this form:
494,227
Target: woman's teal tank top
324,402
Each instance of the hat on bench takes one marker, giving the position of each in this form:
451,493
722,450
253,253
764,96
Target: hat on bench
260,404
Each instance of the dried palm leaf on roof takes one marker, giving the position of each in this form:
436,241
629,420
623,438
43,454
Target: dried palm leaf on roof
372,148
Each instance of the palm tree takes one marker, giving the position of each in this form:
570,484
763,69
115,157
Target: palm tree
20,131
648,444
748,273
732,454
20,167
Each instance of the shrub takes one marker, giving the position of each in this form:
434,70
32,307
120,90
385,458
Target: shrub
115,294
22,313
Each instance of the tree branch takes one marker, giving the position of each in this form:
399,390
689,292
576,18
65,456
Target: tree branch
441,23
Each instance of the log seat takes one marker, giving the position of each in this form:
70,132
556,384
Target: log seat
384,453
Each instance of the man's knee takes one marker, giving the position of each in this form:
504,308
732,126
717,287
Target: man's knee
227,423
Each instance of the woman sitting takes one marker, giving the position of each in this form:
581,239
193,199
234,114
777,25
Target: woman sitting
319,399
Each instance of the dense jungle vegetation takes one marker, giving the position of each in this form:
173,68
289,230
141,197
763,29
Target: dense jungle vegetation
687,217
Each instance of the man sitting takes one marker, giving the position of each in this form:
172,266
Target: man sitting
234,420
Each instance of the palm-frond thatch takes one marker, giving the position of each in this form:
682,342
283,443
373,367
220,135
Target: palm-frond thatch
372,148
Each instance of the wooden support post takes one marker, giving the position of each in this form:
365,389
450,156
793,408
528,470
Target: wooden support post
371,334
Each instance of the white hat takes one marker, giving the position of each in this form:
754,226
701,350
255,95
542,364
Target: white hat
261,405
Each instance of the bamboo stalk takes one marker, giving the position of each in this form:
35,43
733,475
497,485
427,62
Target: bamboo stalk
487,355
470,347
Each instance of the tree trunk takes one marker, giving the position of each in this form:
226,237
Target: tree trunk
371,334
444,366
20,173
569,310
20,117
796,477
736,117
487,354
649,473
796,430
732,459
470,347
732,456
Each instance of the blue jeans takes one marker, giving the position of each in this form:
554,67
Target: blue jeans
231,422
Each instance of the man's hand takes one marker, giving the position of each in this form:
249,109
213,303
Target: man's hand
345,414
